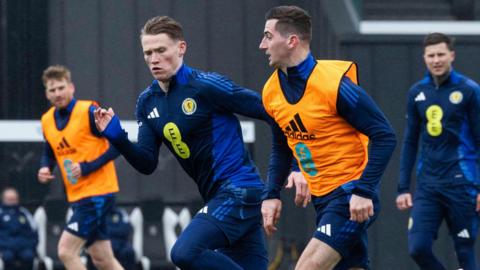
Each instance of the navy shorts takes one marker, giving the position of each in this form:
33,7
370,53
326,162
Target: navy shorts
335,228
454,203
89,219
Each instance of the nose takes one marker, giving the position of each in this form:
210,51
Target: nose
154,58
262,45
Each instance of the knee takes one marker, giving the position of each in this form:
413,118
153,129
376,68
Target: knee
7,256
65,254
27,256
419,250
309,263
182,257
465,248
102,262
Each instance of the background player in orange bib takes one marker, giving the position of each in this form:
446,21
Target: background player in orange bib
339,136
85,160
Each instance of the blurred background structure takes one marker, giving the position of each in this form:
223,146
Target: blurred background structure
99,41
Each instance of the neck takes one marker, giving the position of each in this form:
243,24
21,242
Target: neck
438,80
296,58
164,85
62,109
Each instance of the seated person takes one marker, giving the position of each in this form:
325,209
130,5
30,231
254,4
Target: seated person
18,232
120,230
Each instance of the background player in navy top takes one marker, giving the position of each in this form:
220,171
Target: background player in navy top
192,113
443,114
18,233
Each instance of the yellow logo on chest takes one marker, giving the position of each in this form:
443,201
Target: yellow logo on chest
173,135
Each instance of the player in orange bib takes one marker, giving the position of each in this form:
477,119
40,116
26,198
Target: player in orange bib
339,136
85,160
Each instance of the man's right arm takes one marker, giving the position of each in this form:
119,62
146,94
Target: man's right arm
410,145
48,158
280,163
278,169
143,156
47,164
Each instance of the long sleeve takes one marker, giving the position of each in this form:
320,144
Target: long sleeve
409,146
89,167
110,154
143,156
280,163
473,111
361,112
226,96
48,158
5,239
31,231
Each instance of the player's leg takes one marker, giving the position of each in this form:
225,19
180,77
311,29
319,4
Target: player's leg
465,250
195,248
358,256
321,255
249,251
126,257
26,257
229,216
338,242
426,218
69,247
98,245
102,256
318,256
8,257
462,221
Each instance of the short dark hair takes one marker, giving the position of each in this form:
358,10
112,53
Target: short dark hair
163,25
291,19
437,38
56,72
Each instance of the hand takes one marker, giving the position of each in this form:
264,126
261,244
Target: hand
361,209
478,203
302,192
103,118
271,209
76,170
404,201
45,175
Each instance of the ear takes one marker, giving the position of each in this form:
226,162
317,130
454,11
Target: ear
293,41
453,56
182,48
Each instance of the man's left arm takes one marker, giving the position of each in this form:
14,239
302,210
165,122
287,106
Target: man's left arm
30,232
226,96
361,112
87,167
473,111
